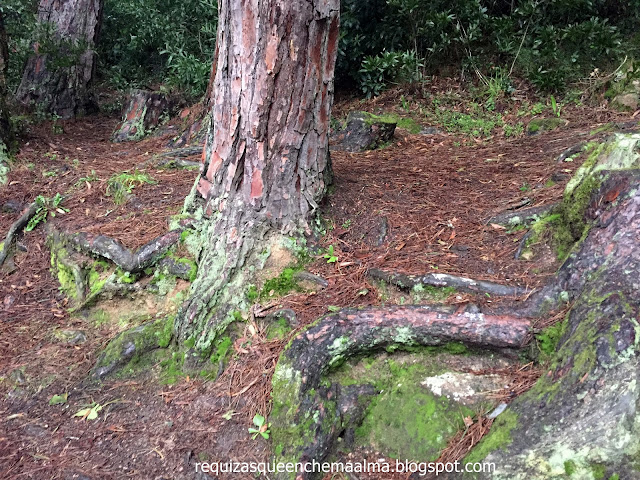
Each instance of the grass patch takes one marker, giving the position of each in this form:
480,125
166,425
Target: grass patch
120,186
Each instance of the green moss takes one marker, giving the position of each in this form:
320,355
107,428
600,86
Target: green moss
280,329
615,476
569,467
222,349
370,118
499,437
252,293
282,284
545,124
407,421
549,337
599,471
172,368
99,317
125,277
166,334
431,293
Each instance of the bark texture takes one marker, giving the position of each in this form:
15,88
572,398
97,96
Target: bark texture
265,163
58,76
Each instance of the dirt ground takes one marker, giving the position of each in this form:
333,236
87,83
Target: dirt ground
434,194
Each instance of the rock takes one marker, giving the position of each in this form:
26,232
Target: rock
71,337
143,114
12,206
626,102
18,377
364,131
309,281
132,343
431,131
539,125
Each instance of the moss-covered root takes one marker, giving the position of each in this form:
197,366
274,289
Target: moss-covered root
304,417
582,419
130,345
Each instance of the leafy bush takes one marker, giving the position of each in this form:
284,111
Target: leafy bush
149,41
552,42
376,72
20,22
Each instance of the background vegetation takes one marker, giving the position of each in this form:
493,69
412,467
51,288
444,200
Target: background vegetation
549,42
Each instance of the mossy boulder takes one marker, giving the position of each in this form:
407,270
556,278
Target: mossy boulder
539,125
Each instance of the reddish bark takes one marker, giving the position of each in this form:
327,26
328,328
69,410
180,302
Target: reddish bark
266,164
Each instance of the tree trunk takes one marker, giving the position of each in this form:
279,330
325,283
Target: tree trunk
58,77
266,162
6,136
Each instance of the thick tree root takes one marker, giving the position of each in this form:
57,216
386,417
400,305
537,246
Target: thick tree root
408,282
15,229
298,390
134,262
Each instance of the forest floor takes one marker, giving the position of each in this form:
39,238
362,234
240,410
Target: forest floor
433,194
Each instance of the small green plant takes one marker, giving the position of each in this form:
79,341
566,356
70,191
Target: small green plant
330,256
121,185
91,412
513,130
525,187
262,427
92,177
59,399
49,174
346,224
46,207
556,107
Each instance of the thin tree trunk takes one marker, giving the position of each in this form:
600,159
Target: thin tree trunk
266,161
58,77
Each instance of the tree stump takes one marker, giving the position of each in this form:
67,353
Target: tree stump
58,77
363,131
145,111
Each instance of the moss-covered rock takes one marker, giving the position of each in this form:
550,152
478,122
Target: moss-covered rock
539,125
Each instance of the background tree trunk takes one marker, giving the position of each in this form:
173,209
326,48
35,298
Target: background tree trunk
266,160
58,76
6,135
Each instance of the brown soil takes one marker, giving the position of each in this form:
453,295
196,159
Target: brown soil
435,192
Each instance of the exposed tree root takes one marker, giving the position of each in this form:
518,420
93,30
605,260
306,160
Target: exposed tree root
408,282
523,216
306,409
577,148
15,229
129,261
